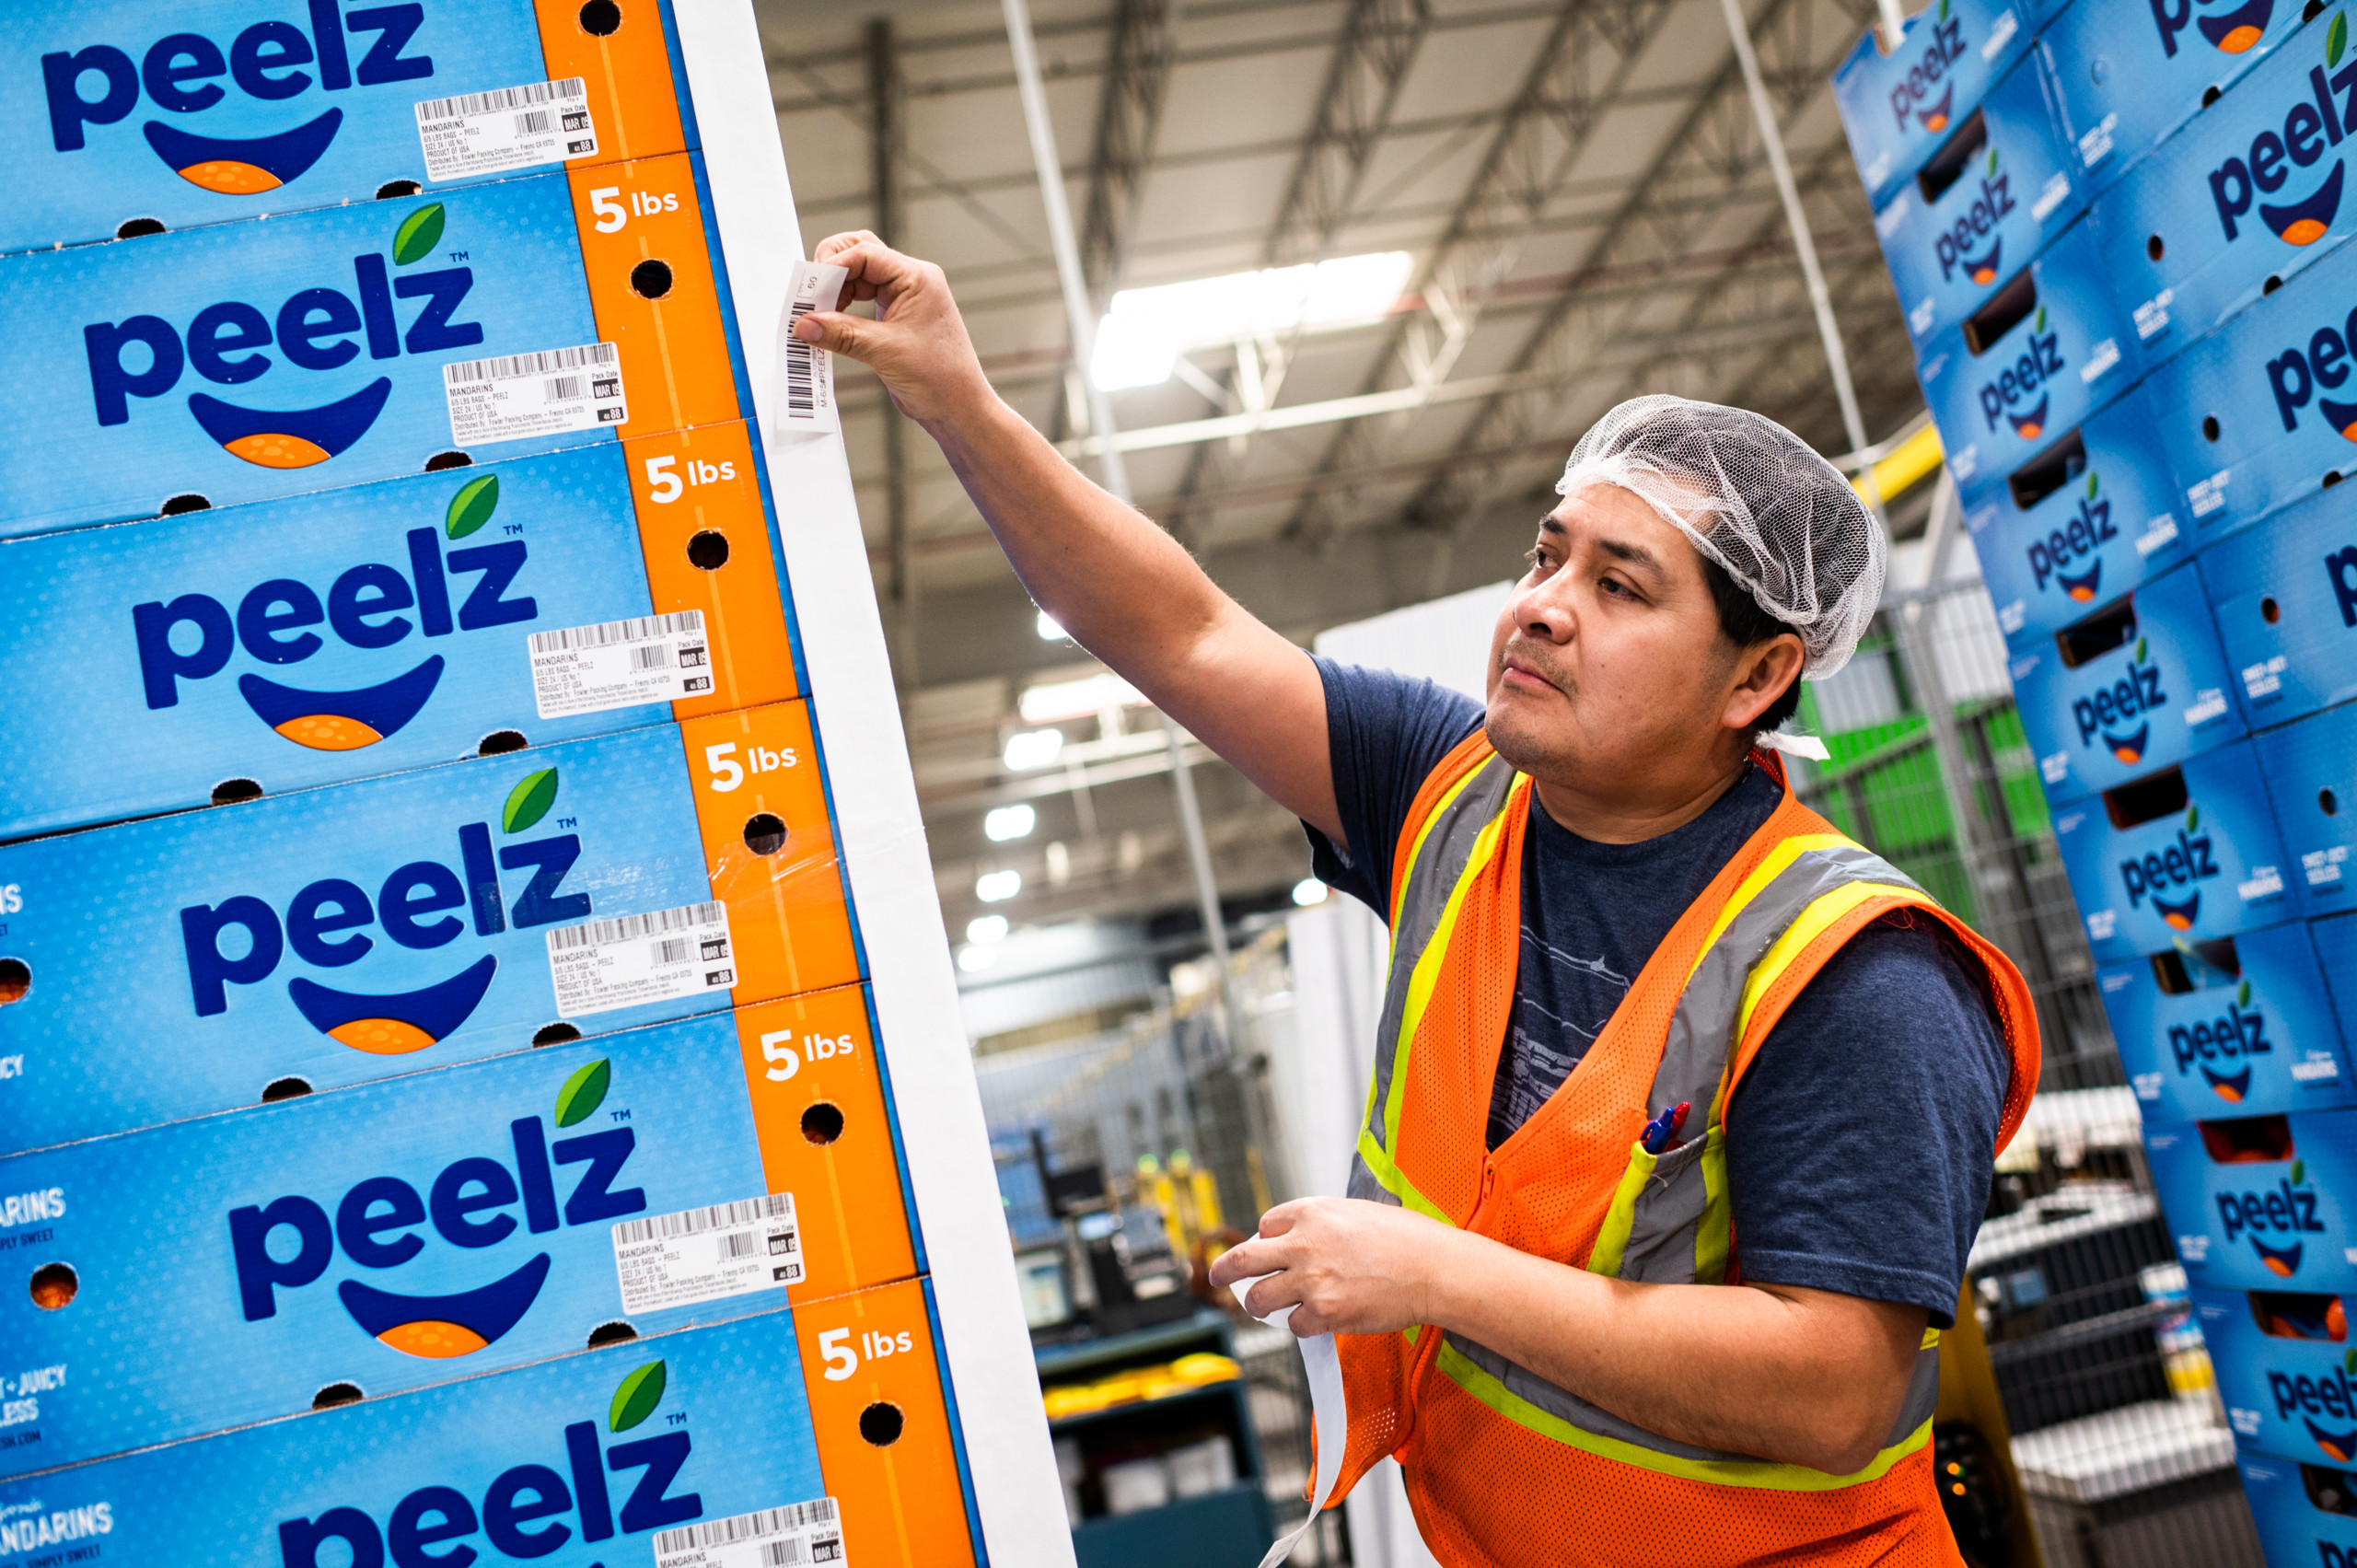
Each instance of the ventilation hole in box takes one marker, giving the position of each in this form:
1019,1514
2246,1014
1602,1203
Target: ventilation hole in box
392,190
600,17
555,1034
15,979
614,1333
2153,248
336,1394
2211,94
499,742
2209,427
284,1088
442,462
181,505
135,228
2273,282
230,792
55,1285
2328,802
651,279
2269,611
822,1123
764,832
2331,478
2308,13
708,550
881,1423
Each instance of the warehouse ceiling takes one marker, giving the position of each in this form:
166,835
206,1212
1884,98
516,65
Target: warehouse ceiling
1588,214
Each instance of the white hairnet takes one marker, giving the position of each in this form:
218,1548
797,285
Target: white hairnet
1755,498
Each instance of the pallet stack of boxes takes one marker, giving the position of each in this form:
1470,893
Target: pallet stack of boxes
442,1115
2116,228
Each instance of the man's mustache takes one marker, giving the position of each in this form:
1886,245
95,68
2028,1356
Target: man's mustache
1526,654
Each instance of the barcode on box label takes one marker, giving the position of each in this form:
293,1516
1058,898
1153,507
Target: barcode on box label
620,664
709,1254
634,960
488,132
805,374
549,392
774,1538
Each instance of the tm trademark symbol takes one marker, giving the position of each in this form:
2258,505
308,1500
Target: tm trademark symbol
567,822
457,255
513,527
618,1115
677,1418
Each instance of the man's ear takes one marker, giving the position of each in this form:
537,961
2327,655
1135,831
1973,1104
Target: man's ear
1761,673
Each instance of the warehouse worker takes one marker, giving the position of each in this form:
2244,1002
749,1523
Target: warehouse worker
1684,1105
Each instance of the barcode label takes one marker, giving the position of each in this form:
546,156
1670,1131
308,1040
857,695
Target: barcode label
490,133
710,1254
634,960
795,1521
510,397
805,374
620,664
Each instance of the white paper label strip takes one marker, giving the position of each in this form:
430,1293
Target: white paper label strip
700,1255
789,1537
552,392
806,373
508,128
637,958
620,664
1324,1365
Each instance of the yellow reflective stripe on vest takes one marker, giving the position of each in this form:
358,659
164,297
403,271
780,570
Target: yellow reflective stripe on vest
1406,868
1810,924
1760,1473
1779,860
1393,1180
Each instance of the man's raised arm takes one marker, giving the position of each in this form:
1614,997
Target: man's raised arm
1120,586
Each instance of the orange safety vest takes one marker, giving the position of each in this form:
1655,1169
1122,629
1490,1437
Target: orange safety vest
1505,1468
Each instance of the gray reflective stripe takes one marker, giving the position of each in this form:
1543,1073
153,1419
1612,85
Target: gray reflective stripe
1431,879
1660,1249
1922,1397
1363,1184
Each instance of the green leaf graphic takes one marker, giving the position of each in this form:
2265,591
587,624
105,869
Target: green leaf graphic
2090,484
636,1399
2349,1360
1943,10
2140,650
2242,994
1993,160
584,1092
529,801
2299,1172
2336,39
2039,325
471,507
2192,818
414,241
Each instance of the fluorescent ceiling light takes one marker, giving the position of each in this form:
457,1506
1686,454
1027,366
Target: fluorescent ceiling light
986,928
1141,338
1048,629
1054,700
1033,749
1307,891
997,886
973,959
1009,822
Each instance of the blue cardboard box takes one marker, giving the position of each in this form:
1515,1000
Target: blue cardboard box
2261,1203
2285,600
2311,771
244,361
390,625
2258,417
2336,943
659,1449
2125,74
2284,1365
2092,517
121,115
2137,685
2306,1513
2238,1026
221,958
447,1224
2242,200
2189,851
1996,190
2046,350
1898,108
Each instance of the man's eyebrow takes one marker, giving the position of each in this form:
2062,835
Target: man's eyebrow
1634,555
1548,524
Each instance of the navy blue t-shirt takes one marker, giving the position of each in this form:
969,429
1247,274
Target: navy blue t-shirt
1859,1142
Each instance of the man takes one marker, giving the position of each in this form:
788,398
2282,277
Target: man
1684,1106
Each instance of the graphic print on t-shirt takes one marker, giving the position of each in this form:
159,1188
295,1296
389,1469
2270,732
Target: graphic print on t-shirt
1562,1002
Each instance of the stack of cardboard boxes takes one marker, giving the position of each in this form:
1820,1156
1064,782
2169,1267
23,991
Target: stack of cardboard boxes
2117,229
442,1112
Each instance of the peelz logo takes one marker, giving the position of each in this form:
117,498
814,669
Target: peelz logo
424,905
1965,243
2038,363
2109,710
471,1203
185,74
2275,1220
373,604
2308,371
2313,125
1913,98
2076,545
2236,1035
531,1509
2178,869
319,328
2332,1397
2231,29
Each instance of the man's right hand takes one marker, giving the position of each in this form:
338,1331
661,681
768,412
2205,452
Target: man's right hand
917,343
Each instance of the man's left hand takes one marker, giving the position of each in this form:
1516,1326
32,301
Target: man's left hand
1345,1266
